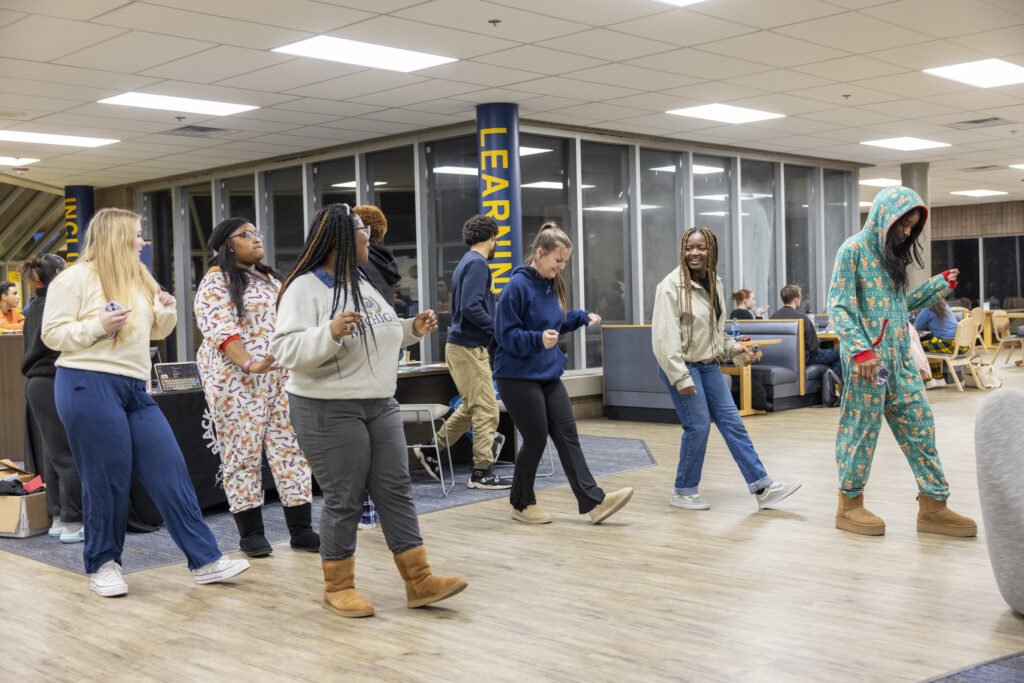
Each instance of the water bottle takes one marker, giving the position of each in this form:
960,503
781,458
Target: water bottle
735,330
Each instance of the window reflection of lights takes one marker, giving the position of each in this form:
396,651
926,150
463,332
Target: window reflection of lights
979,193
754,195
718,213
880,182
352,183
455,170
619,208
697,168
529,151
711,197
549,185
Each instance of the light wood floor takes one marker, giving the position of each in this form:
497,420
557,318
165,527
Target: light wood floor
657,593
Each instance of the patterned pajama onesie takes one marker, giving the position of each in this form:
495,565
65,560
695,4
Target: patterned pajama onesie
250,412
870,319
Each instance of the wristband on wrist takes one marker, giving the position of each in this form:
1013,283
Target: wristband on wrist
245,367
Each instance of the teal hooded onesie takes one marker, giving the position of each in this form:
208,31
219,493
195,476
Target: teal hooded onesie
871,320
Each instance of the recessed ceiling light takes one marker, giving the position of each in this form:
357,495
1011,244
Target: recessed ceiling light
352,183
880,182
528,151
979,193
147,100
16,161
363,54
905,144
679,3
48,139
703,170
865,204
726,113
455,170
985,73
1020,166
711,197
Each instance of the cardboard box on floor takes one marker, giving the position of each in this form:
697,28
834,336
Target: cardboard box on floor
22,516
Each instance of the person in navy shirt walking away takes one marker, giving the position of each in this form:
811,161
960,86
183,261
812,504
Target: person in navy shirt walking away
528,365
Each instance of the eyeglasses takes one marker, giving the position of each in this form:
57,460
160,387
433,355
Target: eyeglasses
364,229
249,235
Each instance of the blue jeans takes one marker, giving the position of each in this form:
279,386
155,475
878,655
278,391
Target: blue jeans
713,401
829,357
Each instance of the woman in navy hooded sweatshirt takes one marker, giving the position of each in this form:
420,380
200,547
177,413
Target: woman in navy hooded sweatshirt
528,366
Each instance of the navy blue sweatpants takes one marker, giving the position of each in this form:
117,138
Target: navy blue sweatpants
115,430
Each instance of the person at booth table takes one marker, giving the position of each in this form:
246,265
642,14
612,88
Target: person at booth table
746,306
115,428
791,296
235,308
10,317
689,341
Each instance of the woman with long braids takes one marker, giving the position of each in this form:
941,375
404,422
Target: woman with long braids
340,338
528,365
63,485
235,307
101,314
688,334
868,302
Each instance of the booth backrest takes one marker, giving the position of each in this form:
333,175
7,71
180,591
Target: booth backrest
789,354
629,363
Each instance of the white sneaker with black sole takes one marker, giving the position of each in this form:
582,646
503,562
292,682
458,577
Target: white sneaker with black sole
488,479
107,581
220,570
429,462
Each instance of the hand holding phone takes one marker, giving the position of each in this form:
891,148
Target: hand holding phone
882,377
113,317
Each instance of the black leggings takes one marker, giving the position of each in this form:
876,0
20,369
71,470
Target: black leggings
63,485
541,409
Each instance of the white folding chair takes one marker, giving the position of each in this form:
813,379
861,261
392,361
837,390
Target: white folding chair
549,448
432,414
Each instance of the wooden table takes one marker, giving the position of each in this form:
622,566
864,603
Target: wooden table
829,337
743,372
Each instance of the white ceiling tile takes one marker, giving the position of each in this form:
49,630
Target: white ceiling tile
673,123
302,15
997,43
417,92
249,124
909,109
628,76
479,74
772,48
42,39
421,119
840,94
222,62
605,44
780,80
208,27
75,119
116,115
596,12
622,126
378,127
780,103
79,9
374,5
848,116
848,69
460,108
412,35
767,13
496,95
855,33
552,117
139,49
354,85
714,91
600,111
27,103
699,64
334,108
976,99
914,84
219,93
539,60
928,55
292,74
681,27
297,118
472,15
794,125
77,93
945,18
8,17
655,101
566,87
550,103
52,73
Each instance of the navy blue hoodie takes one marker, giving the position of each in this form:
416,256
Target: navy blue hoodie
528,306
472,302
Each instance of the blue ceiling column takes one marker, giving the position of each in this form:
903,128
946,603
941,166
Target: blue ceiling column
497,130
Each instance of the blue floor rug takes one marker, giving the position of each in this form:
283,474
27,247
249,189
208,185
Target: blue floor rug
1008,669
605,455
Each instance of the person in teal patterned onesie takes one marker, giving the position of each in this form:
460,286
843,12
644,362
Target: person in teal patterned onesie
868,302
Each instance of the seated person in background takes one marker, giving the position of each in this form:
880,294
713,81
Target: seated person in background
940,321
10,317
814,354
401,301
745,303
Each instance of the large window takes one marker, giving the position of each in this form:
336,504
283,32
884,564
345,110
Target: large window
837,191
757,228
799,248
284,194
158,217
606,244
962,254
335,181
240,195
1002,276
712,207
199,202
660,218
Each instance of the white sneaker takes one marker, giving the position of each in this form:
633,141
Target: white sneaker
693,502
56,527
107,581
775,493
429,461
364,525
221,570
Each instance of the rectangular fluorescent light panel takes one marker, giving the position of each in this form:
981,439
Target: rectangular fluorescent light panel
455,170
711,197
880,182
679,3
16,161
146,100
363,54
986,73
906,144
48,139
979,193
352,183
1020,166
529,151
725,113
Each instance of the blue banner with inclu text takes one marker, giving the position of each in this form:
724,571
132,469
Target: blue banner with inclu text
497,126
78,211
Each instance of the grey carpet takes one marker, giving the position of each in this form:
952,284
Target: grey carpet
605,455
1008,669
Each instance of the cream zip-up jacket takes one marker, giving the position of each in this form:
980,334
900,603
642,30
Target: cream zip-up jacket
71,325
669,325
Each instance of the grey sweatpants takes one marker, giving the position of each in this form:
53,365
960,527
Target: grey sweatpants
355,446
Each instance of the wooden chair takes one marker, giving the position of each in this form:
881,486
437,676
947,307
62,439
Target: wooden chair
978,316
966,336
1003,337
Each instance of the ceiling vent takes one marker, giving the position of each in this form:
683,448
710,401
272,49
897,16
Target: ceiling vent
981,123
982,169
198,132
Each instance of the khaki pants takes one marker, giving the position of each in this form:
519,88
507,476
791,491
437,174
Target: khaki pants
470,368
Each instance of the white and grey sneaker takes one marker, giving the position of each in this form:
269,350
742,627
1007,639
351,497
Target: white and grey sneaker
692,502
429,462
220,570
107,581
775,493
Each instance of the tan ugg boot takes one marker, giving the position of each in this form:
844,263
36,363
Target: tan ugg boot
851,515
422,587
531,514
933,517
340,595
612,503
